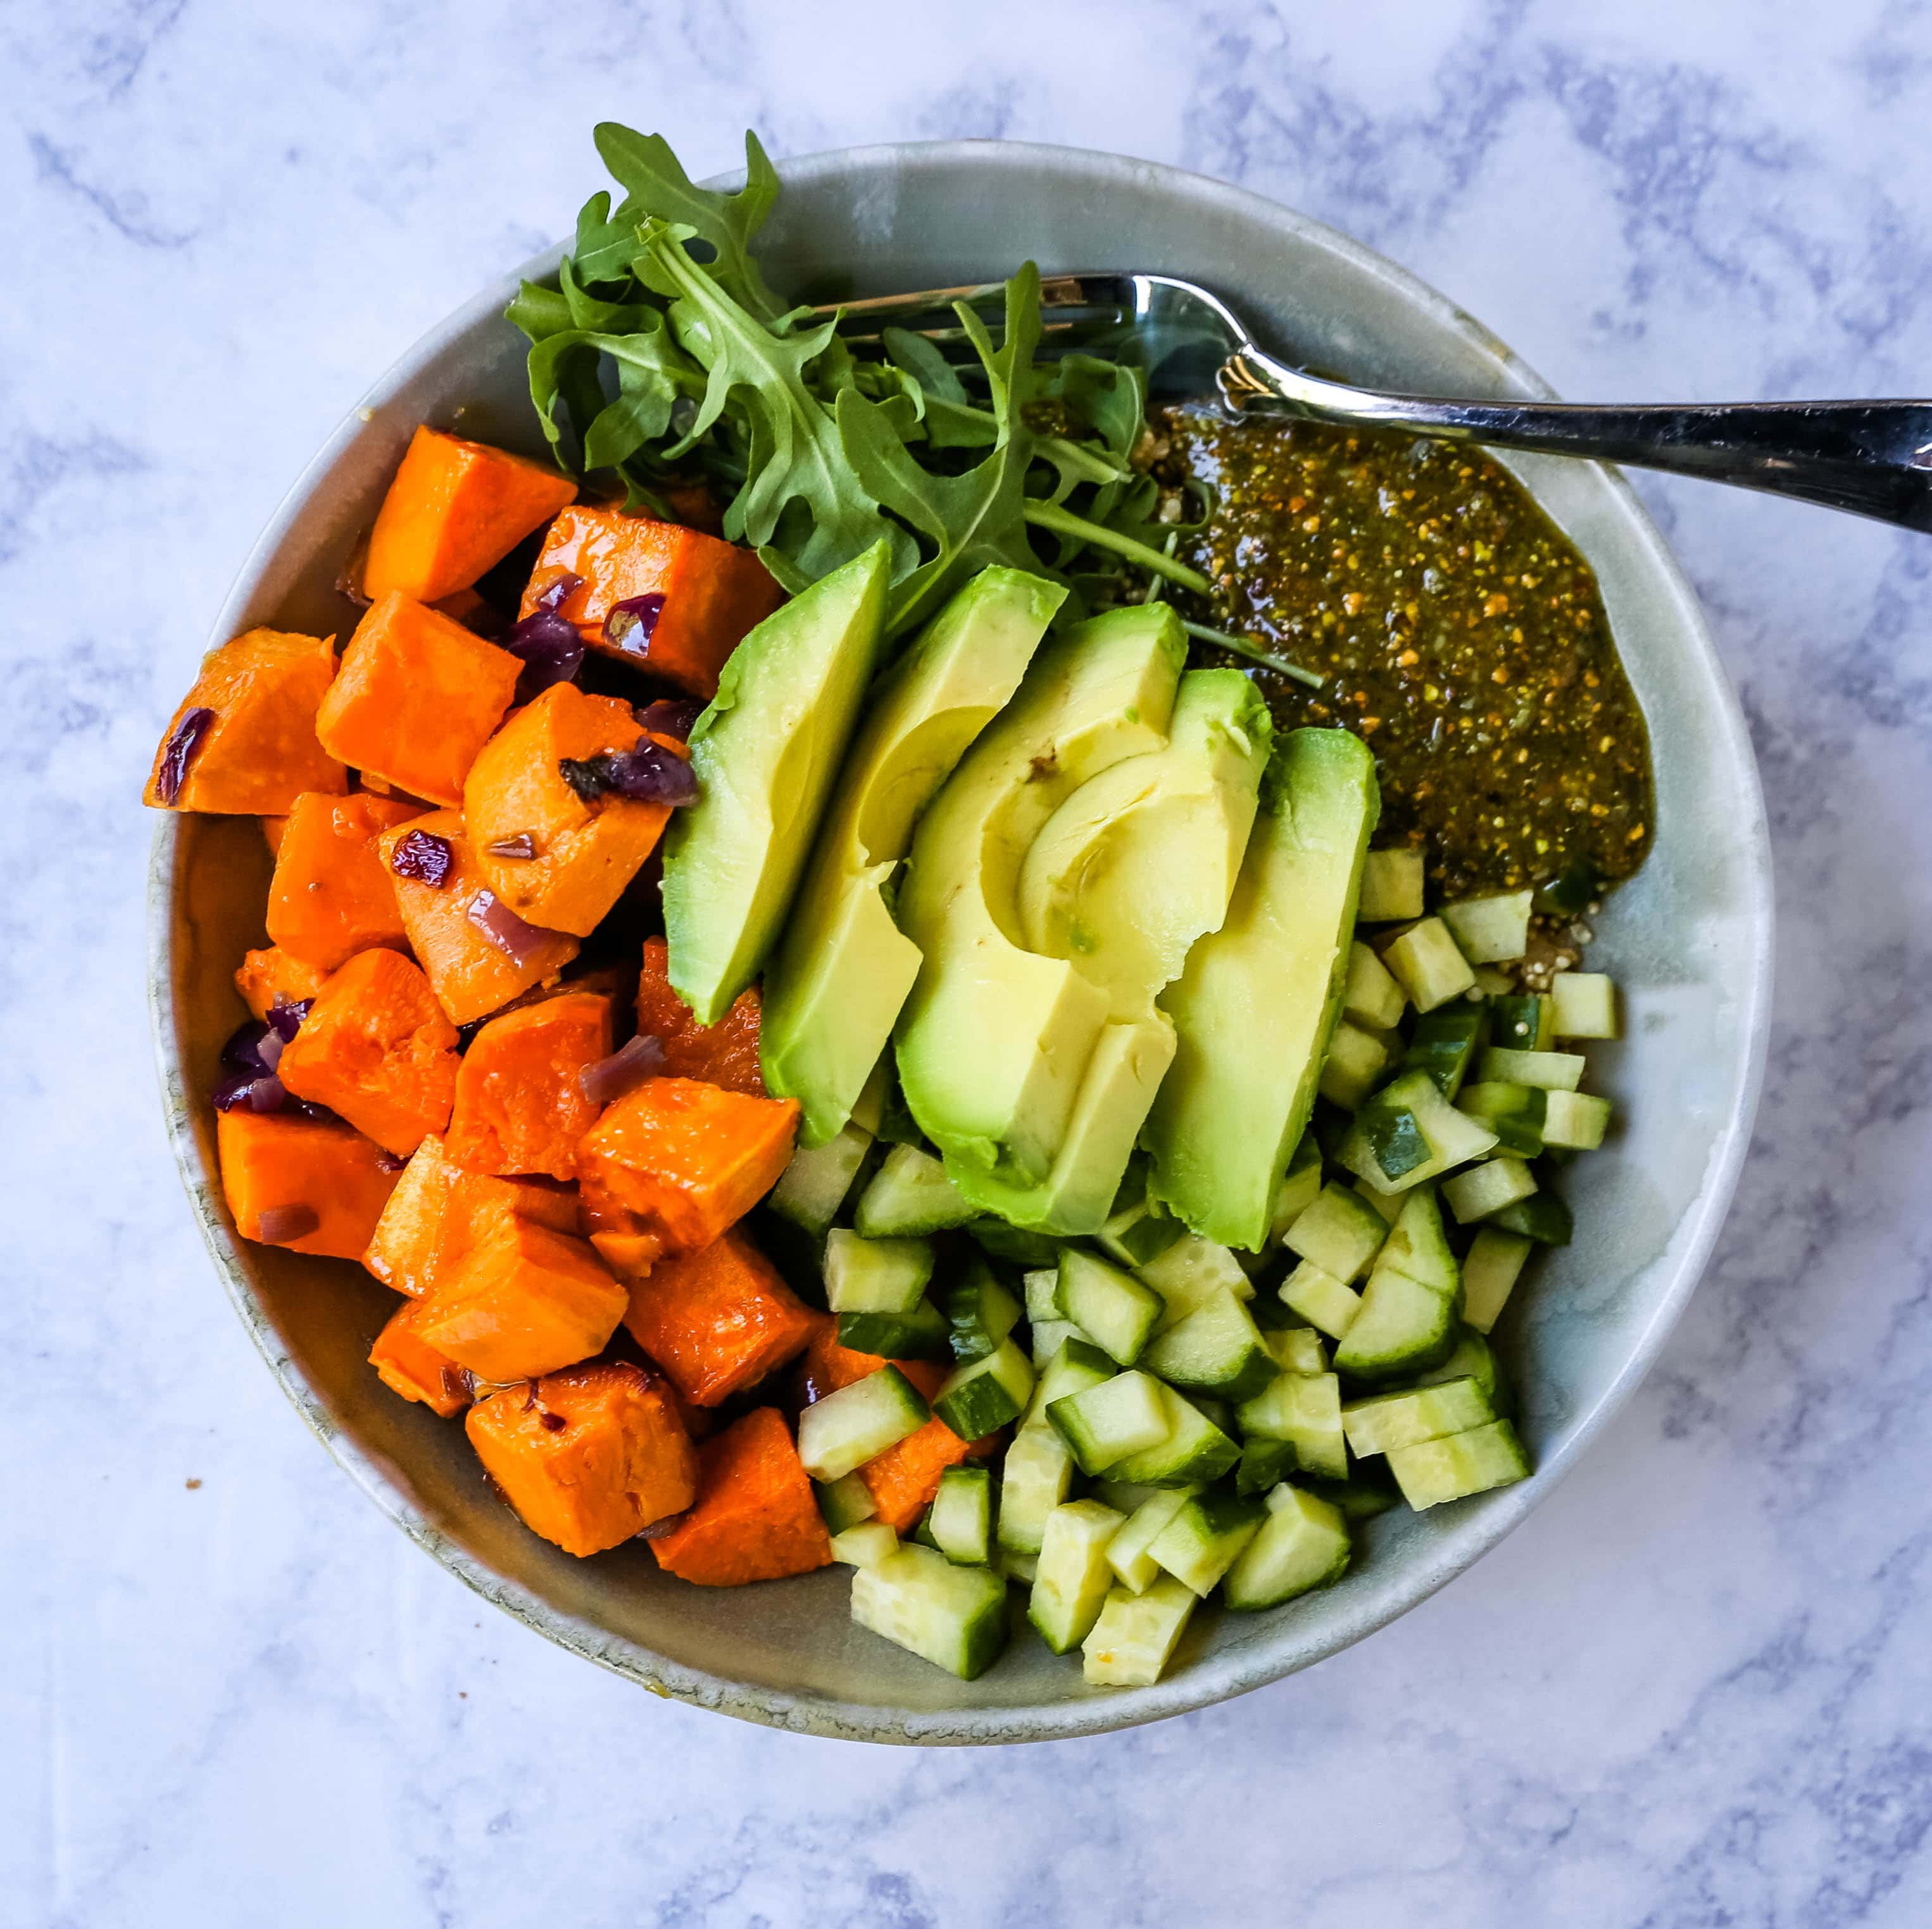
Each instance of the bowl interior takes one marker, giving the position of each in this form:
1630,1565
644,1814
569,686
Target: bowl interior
1688,942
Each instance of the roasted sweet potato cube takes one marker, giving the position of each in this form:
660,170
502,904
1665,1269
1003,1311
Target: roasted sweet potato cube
713,592
376,1047
583,852
439,1212
471,973
725,1054
523,1301
407,1364
755,1518
455,509
332,896
682,1159
519,1103
718,1320
589,1458
266,979
629,1252
825,1366
903,1479
243,742
416,699
312,1185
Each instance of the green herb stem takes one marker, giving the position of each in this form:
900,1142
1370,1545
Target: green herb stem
1241,647
1044,515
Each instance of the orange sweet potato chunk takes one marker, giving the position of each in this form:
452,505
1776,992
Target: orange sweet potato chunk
455,509
522,1302
589,1458
519,1103
319,1186
266,979
258,751
438,1213
682,1160
718,1320
416,699
584,853
376,1047
725,1054
471,973
713,592
407,1364
755,1518
827,1366
332,896
904,1479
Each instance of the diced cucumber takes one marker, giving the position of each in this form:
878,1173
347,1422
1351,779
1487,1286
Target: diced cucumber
1575,1121
874,1275
1515,1113
910,1195
1189,1272
1356,1060
1543,1217
1039,1288
1106,1424
1112,1308
962,1516
980,1313
1482,1190
1305,1411
1370,1490
1123,1496
1339,1233
1371,996
1490,930
1071,1579
1403,1326
1301,1187
1034,1478
858,1422
1138,1230
1134,1567
1215,1411
1460,1464
1585,1005
844,1503
1445,1044
1217,1349
1264,1465
813,1186
1017,1566
1077,1365
1492,983
1409,1133
955,1618
1471,1358
1388,1205
1418,1247
1554,1071
1201,1542
1391,886
1389,1420
1295,1349
920,1334
1426,964
1048,1336
864,1544
1136,1635
1194,1452
1013,1243
1525,1023
984,1395
1318,1296
1302,1544
1489,1274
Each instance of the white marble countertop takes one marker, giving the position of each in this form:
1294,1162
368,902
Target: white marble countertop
1692,1691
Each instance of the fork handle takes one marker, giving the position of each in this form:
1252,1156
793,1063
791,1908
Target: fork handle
1873,458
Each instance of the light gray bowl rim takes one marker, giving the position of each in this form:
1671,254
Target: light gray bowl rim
1210,1679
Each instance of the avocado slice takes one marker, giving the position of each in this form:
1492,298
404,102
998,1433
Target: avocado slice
766,752
1122,881
995,1040
844,969
1255,1006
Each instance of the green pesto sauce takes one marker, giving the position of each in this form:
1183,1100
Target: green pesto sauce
1456,631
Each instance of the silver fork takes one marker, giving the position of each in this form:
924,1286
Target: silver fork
1874,458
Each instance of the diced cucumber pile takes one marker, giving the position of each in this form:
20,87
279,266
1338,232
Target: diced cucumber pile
1179,1422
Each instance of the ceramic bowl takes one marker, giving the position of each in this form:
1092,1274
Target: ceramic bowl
1688,941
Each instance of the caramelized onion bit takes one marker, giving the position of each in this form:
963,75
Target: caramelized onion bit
647,774
183,740
672,716
632,623
522,845
519,942
423,857
607,1081
280,1224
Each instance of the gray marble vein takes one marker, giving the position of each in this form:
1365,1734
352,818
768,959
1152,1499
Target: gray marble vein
1692,1691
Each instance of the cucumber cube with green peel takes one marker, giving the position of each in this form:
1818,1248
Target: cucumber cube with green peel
1302,1544
1217,1349
1444,1043
1515,1113
1190,1270
1370,996
1426,963
1304,1411
1575,1121
920,1334
1301,1187
1048,1336
1136,1635
1494,1263
1403,1327
1391,886
1134,1567
1076,1365
1112,1308
1201,1542
1526,1022
1585,1005
1543,1217
858,1422
1554,1071
1296,1349
1072,1579
1387,1204
1040,1289
1195,1452
864,1544
1458,1465
1409,1133
844,1503
954,1617
980,1397
1472,1358
980,1313
1339,1232
1317,1296
1386,1421
1490,930
1480,1191
1139,1231
1356,1059
1264,1465
961,1519
909,1196
1107,1423
874,1275
1418,1247
1014,1243
813,1186
1034,1477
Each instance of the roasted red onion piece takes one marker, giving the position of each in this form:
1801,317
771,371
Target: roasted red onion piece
183,740
522,845
648,774
280,1224
286,1016
518,941
624,1071
632,623
253,1091
558,592
424,857
672,716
